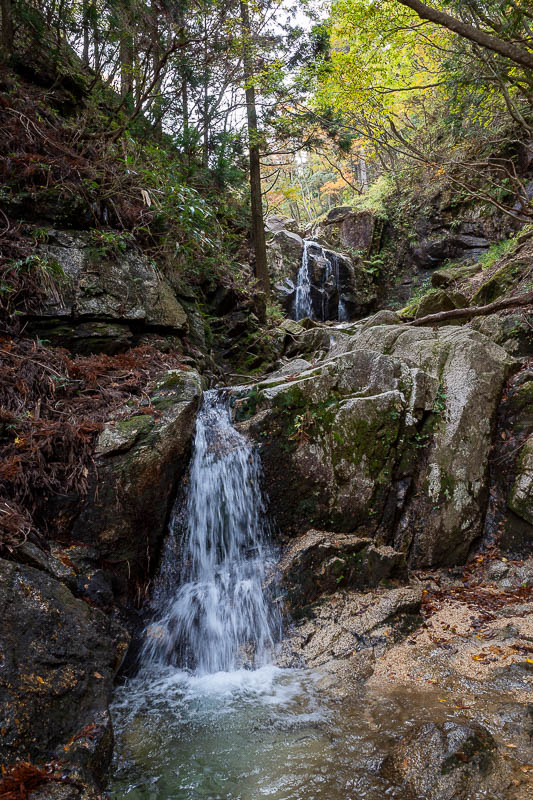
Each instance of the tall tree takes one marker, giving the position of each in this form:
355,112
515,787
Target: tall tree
258,224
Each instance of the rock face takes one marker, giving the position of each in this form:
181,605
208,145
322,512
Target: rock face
351,230
58,658
521,497
343,637
388,436
340,287
100,293
321,562
139,463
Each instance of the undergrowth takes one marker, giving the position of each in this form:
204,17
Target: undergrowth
52,406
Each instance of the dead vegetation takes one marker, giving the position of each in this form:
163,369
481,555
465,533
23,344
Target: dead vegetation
19,780
52,406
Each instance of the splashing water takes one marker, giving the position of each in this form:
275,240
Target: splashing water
220,616
303,306
302,300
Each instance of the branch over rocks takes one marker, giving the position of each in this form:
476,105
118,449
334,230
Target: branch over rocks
473,311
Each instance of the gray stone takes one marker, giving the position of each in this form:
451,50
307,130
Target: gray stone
122,286
58,660
521,496
388,436
139,463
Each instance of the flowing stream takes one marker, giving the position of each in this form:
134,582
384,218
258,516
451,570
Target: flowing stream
209,716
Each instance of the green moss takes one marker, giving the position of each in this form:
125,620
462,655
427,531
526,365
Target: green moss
371,441
140,424
499,283
522,398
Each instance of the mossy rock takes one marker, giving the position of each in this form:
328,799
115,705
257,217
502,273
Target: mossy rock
434,303
443,278
521,496
500,282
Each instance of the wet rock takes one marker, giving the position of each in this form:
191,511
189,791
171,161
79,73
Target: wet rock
140,461
387,436
447,761
58,659
321,562
349,630
521,497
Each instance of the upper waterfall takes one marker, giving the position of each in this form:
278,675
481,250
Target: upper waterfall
328,284
219,614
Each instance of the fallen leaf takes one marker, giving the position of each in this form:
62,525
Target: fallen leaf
97,675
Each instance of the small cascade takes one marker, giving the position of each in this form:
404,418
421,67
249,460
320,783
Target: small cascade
215,613
303,305
302,300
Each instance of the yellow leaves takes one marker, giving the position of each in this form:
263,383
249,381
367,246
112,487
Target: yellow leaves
40,680
527,767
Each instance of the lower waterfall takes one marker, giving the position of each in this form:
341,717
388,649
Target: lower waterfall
209,715
218,614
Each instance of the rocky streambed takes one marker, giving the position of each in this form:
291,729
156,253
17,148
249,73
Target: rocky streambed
402,673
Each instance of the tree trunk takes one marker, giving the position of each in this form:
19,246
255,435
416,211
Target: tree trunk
126,56
258,225
6,40
473,311
85,22
494,43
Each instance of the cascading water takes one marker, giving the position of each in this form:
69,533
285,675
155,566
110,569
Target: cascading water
194,724
303,305
220,614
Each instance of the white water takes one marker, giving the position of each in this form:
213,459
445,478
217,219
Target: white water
214,614
302,300
303,306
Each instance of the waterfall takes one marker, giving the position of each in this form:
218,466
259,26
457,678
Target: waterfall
302,300
303,306
219,616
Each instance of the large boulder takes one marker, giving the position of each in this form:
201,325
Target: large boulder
139,462
387,437
284,255
99,288
320,562
449,761
58,659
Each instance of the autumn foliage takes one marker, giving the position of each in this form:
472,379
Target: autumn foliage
52,406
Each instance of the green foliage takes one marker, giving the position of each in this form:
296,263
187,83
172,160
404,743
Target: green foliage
496,251
109,244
